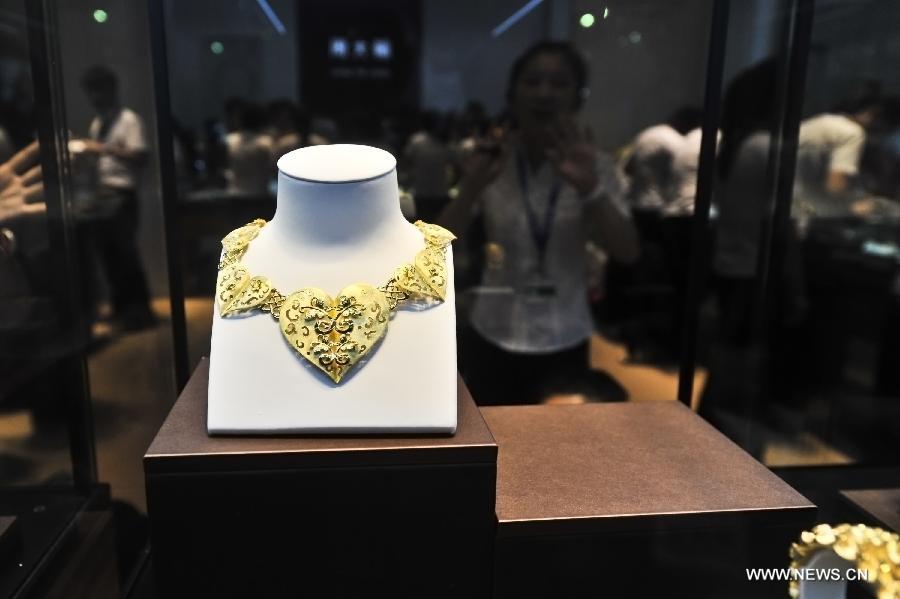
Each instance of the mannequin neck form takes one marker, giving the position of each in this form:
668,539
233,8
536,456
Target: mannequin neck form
324,214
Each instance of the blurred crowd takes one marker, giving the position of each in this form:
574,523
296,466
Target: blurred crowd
558,237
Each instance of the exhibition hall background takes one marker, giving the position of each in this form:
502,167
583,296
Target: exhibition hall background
793,354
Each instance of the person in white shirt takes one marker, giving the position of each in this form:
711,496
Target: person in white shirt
828,155
542,191
651,167
117,139
251,153
687,166
662,164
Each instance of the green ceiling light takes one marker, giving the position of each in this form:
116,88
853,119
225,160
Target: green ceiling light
605,12
217,47
586,20
100,15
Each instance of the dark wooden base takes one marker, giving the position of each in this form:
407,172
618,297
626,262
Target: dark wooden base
635,499
320,517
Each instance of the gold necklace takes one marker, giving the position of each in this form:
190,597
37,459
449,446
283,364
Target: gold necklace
332,334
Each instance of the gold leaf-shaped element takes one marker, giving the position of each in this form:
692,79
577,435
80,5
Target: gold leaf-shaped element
432,267
334,334
409,279
435,234
239,238
237,291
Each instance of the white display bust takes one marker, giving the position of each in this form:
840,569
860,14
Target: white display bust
337,222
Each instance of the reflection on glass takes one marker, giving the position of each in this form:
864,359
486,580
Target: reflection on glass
663,162
114,206
805,315
741,360
541,190
34,440
434,92
567,168
32,423
108,213
829,152
846,207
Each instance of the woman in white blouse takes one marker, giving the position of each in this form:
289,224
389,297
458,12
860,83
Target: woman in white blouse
541,190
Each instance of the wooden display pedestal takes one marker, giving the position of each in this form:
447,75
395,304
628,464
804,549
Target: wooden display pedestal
630,499
320,516
636,499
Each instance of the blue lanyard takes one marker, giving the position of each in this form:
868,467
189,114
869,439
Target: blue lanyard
540,231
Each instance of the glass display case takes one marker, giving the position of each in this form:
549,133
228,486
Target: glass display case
86,350
656,202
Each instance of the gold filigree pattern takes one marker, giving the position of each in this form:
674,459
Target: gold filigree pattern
333,334
410,282
430,265
241,237
237,291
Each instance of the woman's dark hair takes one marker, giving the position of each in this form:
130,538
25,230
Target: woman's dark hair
99,77
748,108
253,117
284,111
685,119
564,50
868,97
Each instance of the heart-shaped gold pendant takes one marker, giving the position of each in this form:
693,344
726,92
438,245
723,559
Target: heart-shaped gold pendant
237,291
335,334
332,334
